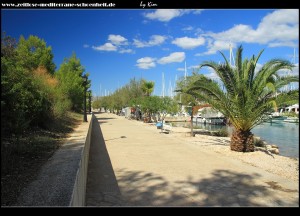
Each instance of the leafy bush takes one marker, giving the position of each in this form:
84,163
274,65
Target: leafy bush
220,133
258,142
31,96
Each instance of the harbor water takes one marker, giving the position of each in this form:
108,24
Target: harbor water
284,135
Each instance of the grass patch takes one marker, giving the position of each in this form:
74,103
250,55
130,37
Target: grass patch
23,156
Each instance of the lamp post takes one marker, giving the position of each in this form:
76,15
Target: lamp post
192,104
192,126
84,77
90,101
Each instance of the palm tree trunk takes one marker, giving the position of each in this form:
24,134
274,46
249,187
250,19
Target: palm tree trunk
242,141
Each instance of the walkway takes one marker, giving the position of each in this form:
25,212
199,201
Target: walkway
132,164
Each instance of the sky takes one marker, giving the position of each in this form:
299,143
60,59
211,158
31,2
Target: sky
116,45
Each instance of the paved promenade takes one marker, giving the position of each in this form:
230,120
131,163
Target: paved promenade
133,164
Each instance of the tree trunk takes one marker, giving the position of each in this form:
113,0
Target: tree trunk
242,141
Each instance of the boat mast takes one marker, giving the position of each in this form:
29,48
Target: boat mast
163,85
185,72
231,55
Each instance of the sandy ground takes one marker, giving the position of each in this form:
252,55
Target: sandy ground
277,164
158,169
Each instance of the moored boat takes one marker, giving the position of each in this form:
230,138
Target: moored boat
292,120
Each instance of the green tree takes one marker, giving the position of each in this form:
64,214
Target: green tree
33,53
147,87
104,102
248,94
27,94
96,103
71,81
182,85
12,91
168,106
134,88
150,105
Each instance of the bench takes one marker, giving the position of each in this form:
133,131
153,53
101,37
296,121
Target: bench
164,126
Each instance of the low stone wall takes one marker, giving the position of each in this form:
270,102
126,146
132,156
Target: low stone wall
177,119
79,190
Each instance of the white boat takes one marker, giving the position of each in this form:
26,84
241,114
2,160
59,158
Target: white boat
292,120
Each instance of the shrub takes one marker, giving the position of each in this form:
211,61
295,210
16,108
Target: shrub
258,142
220,133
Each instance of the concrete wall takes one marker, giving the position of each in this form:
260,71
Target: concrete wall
79,190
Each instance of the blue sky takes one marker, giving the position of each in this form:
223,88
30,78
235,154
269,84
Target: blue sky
116,45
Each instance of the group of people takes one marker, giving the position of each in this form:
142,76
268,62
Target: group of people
138,114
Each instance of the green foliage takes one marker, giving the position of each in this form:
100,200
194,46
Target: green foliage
150,105
168,106
96,103
137,94
248,94
147,87
70,78
128,95
258,142
220,133
31,95
17,99
33,53
182,85
62,104
16,90
290,114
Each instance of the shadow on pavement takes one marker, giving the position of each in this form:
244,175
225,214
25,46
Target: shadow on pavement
225,188
102,187
103,120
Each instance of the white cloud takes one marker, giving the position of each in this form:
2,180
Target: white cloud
188,28
173,57
283,43
215,46
154,41
126,51
282,72
279,28
211,74
114,44
189,43
146,63
180,69
105,47
294,72
258,67
165,15
86,46
117,39
194,67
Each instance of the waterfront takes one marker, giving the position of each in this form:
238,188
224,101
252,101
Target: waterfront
284,135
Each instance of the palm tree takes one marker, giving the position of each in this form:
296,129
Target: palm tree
147,87
247,95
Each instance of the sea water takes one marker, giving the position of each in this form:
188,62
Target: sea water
283,134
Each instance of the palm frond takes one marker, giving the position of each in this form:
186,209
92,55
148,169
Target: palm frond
248,94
